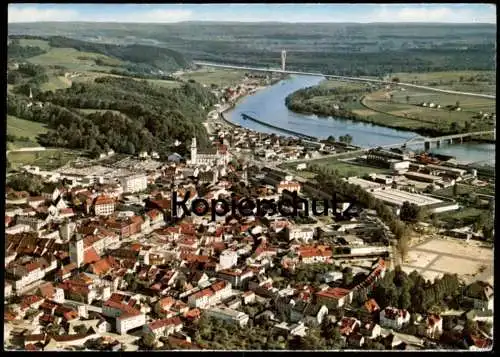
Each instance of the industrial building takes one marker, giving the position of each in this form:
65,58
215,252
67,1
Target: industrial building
397,197
418,176
449,171
385,158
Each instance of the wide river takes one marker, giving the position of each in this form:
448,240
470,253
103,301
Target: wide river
269,105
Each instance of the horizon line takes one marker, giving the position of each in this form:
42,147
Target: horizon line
252,22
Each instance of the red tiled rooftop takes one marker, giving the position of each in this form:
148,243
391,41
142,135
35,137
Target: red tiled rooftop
335,293
103,200
90,256
175,321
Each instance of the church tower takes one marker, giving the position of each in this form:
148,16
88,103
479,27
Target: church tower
76,251
245,175
193,151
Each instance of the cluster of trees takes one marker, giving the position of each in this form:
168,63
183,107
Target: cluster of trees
26,182
16,51
32,75
410,212
345,138
301,101
149,118
219,335
413,293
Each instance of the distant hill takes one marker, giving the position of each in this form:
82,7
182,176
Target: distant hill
137,57
156,57
351,49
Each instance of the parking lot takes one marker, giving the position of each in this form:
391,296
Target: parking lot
470,260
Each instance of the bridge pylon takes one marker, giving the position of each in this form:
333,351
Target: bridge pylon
283,60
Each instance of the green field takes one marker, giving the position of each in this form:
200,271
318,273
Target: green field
451,80
56,82
24,128
46,160
219,77
408,114
90,76
44,45
72,59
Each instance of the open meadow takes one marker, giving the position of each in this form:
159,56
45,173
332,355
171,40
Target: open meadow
24,128
49,159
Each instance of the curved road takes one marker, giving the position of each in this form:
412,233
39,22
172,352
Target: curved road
208,64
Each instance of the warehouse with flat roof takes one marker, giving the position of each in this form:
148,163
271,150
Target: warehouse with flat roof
396,197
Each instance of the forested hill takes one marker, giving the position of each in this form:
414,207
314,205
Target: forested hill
151,57
126,115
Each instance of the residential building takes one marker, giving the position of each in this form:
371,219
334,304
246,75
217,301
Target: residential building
334,297
228,259
236,277
434,326
135,183
481,294
104,206
291,186
224,313
163,327
211,295
394,318
304,234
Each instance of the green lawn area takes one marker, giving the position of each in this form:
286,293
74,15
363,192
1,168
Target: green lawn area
219,77
24,128
46,160
72,59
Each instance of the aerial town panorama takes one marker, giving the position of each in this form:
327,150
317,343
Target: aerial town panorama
305,177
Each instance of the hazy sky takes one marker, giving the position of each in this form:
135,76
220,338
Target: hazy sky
169,13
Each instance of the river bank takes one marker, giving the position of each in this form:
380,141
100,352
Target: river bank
409,109
269,106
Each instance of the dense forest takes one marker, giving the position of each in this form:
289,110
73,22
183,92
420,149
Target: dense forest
130,116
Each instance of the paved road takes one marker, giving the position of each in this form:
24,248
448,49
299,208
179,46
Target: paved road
208,64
